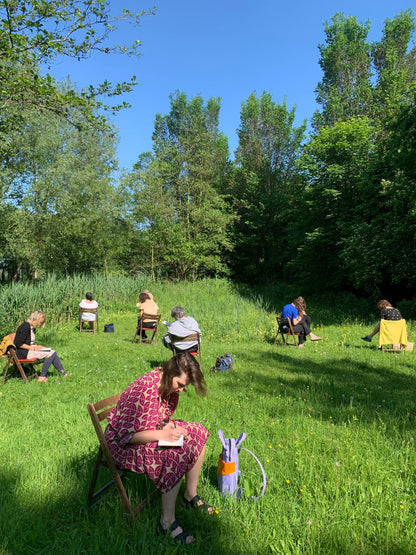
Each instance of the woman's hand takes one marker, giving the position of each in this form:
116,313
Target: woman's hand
173,434
169,426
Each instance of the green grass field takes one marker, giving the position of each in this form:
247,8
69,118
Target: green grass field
333,424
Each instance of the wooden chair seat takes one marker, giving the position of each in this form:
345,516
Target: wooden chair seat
285,329
98,412
144,325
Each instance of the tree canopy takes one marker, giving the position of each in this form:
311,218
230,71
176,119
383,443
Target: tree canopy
332,208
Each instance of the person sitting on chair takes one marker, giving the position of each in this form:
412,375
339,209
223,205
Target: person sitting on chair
88,302
143,417
27,348
387,312
148,306
301,322
182,327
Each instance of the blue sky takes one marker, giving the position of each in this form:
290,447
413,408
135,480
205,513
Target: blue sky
220,48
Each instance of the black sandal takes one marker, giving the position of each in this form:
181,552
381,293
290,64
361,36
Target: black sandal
179,538
193,504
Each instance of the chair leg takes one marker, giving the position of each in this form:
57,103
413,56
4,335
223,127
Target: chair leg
135,335
94,476
5,371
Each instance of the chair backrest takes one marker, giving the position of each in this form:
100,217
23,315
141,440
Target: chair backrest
150,317
189,338
98,412
393,332
192,337
88,310
285,328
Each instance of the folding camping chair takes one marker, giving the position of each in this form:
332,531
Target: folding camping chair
17,363
94,323
98,412
394,333
196,350
147,323
285,328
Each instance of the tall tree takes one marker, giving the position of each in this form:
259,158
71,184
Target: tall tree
265,187
179,191
345,90
394,59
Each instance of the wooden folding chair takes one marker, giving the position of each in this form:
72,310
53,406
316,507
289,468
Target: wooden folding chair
144,326
18,363
94,327
196,351
394,333
98,412
285,328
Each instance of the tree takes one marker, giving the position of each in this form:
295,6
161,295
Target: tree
63,206
342,200
345,90
395,64
33,33
265,187
179,192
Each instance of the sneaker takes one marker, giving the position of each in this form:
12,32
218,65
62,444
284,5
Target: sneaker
42,379
367,338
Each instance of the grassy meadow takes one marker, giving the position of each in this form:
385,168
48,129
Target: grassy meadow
333,425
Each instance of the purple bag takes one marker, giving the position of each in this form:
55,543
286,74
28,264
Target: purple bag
228,471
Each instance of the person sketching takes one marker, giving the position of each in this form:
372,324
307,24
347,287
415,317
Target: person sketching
27,348
142,418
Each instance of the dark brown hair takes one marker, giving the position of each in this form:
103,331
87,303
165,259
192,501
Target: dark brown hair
173,368
143,296
383,304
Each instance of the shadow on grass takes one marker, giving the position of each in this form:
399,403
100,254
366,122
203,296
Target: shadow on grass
340,384
59,522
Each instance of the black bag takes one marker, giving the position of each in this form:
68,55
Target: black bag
109,328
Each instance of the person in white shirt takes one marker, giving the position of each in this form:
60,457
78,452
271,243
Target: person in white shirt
88,302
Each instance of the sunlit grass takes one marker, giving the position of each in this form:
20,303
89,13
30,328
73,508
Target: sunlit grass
333,425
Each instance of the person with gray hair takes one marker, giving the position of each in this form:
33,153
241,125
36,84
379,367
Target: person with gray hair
182,327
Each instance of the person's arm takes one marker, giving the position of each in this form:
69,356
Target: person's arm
170,432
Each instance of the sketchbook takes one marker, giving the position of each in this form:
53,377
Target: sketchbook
177,443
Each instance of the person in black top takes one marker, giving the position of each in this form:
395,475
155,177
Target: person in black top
387,312
27,348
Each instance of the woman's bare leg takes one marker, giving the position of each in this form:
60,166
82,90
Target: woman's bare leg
375,330
192,478
168,511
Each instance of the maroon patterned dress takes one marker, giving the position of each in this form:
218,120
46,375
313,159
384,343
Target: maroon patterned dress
140,408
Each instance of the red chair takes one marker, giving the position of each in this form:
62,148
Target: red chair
17,363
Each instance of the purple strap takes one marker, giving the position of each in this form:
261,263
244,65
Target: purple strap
262,470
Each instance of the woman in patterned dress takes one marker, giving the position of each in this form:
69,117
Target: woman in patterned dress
142,417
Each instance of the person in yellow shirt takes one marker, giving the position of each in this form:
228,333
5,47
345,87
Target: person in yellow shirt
148,306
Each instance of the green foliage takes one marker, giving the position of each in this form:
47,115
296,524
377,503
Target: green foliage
178,192
265,184
332,423
345,89
38,32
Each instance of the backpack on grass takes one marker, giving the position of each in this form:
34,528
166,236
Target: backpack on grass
223,363
228,471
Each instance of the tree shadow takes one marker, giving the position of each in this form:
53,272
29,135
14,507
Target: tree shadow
343,385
